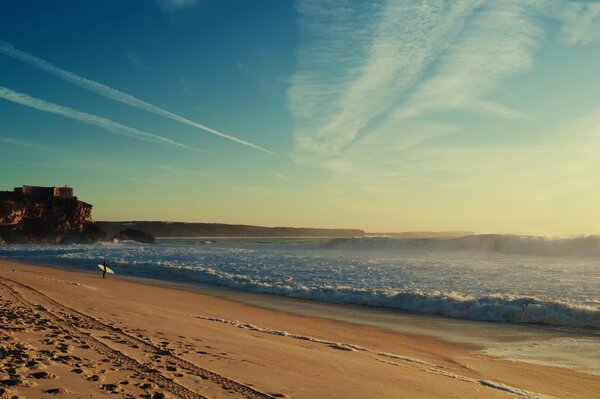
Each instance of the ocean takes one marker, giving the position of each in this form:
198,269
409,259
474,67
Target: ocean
497,278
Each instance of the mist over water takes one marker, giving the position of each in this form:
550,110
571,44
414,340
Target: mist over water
499,278
504,243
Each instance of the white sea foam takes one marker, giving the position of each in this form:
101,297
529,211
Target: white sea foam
580,352
252,327
405,358
521,393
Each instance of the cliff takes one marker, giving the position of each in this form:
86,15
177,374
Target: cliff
178,229
26,218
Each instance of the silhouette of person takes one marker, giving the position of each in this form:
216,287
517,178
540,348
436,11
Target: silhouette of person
104,269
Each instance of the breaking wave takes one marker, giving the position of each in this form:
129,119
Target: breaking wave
511,244
494,308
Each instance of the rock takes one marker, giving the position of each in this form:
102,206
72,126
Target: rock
135,235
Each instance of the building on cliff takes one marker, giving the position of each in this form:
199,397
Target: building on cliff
60,192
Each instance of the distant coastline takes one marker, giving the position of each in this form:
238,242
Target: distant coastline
166,229
182,229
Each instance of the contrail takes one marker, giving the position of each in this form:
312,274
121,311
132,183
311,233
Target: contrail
113,94
28,144
115,127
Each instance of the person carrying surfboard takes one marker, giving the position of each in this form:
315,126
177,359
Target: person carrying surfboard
104,269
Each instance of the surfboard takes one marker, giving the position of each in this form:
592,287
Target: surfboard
108,269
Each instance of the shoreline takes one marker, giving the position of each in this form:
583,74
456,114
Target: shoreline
395,320
268,337
537,344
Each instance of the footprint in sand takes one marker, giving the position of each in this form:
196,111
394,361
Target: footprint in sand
17,381
112,388
56,391
42,375
35,365
65,348
7,393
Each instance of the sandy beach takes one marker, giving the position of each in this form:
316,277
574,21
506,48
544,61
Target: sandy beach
76,335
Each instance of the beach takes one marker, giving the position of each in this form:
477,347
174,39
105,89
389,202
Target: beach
300,199
74,334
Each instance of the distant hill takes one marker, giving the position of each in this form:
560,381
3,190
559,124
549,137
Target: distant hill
180,229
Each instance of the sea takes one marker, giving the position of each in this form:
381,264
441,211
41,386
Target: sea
541,281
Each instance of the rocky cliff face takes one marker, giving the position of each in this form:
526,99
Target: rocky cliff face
45,219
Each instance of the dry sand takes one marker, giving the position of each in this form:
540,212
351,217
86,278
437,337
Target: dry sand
74,335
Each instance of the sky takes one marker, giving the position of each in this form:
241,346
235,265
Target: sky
388,116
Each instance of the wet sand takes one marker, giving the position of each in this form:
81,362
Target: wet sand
73,334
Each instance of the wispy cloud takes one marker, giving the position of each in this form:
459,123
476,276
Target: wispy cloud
497,43
175,5
281,176
116,95
193,173
370,76
142,180
369,57
581,23
29,144
172,169
266,72
136,61
251,189
107,124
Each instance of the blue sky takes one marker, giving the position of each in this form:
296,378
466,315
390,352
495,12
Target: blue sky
389,115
